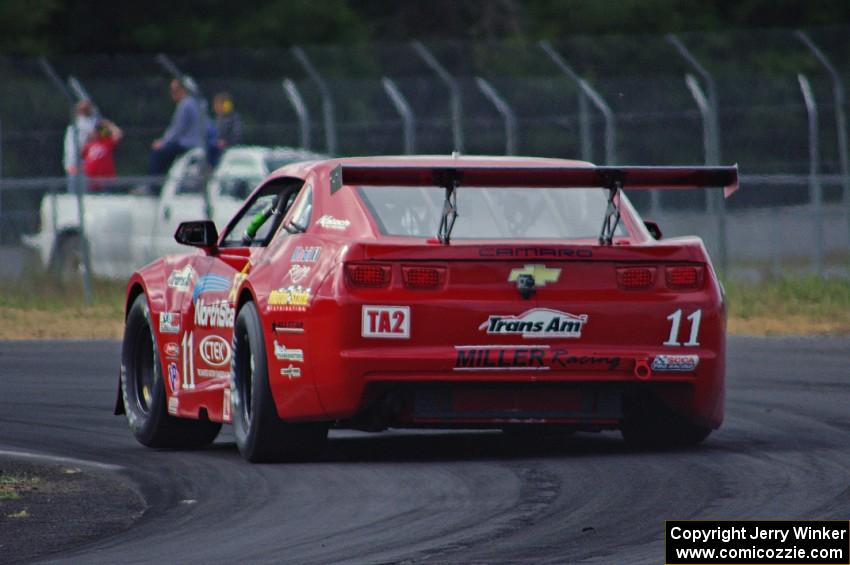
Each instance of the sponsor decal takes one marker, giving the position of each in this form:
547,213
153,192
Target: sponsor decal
536,323
211,283
540,273
237,281
173,376
305,254
213,373
528,358
331,223
293,297
288,327
281,353
292,372
215,351
172,350
680,363
225,409
298,272
173,405
386,322
169,322
216,314
534,252
181,279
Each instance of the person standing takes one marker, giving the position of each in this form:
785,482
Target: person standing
84,120
99,154
183,133
228,125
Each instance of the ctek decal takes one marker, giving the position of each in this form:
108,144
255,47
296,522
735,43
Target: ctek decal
331,223
534,252
169,322
172,350
173,405
540,273
292,372
536,323
528,358
288,327
216,314
173,376
675,363
211,283
281,353
386,322
298,272
306,254
215,351
293,297
181,279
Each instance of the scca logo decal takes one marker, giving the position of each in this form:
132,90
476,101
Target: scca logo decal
391,322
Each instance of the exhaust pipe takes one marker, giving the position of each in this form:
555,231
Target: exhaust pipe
642,369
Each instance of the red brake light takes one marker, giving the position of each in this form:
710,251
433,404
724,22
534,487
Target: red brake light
684,277
423,277
368,276
635,278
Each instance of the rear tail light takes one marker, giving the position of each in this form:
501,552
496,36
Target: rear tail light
423,278
684,277
368,276
635,278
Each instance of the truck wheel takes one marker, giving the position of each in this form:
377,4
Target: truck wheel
68,262
261,435
143,390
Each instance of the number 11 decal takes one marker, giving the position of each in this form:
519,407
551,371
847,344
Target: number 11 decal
676,320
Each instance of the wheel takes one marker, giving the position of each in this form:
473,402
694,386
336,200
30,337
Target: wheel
261,435
68,262
650,425
143,390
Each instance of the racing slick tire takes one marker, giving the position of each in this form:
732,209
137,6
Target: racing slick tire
651,425
143,390
261,435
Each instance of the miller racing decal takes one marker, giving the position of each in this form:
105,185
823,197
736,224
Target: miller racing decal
181,279
306,254
677,363
282,353
386,322
536,323
169,322
293,297
331,223
528,358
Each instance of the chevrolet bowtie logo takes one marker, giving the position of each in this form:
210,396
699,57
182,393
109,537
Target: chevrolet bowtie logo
539,273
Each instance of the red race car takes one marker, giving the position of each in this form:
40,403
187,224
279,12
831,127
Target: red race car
464,292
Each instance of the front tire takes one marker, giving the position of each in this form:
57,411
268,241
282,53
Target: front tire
261,435
143,390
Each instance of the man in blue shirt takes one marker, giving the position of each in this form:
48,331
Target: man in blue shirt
183,133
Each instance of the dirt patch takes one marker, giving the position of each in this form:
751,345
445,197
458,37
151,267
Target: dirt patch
46,509
75,323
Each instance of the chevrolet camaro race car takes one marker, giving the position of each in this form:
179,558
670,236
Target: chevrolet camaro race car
369,293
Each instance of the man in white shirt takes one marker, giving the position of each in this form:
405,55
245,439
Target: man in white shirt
85,121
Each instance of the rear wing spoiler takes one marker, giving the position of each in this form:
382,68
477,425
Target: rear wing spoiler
631,178
612,178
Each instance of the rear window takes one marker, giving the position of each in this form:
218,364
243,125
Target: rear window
490,213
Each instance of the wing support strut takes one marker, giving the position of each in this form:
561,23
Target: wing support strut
612,212
450,181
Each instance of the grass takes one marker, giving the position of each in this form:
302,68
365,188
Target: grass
40,309
11,486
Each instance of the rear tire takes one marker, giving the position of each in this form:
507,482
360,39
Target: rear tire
651,425
143,390
261,435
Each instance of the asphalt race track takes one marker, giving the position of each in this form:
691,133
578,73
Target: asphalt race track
440,497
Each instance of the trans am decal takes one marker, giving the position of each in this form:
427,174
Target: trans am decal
386,322
536,323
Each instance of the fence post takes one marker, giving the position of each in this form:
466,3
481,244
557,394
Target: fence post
408,122
74,182
294,97
593,96
815,193
840,122
505,110
454,92
327,100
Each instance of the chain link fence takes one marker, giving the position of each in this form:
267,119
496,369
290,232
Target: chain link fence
772,101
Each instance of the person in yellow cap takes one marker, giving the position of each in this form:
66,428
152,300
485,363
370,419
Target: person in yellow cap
228,125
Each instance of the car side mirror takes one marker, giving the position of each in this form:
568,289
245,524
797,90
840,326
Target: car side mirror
653,229
200,233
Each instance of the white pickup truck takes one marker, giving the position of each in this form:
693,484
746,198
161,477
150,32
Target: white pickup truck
127,231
